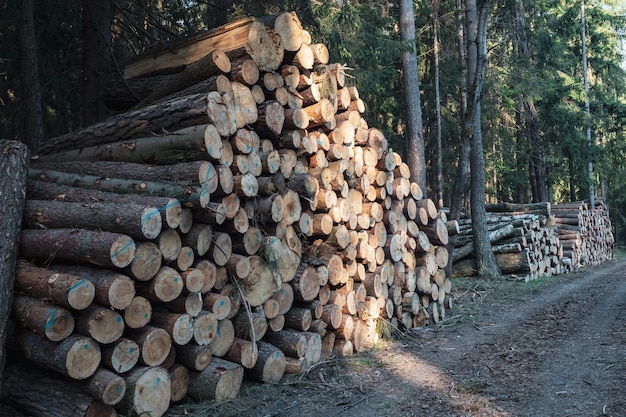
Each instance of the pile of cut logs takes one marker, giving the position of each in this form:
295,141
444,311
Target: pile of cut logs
532,240
241,219
585,232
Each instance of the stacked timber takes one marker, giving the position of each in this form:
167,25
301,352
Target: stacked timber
532,240
238,219
585,232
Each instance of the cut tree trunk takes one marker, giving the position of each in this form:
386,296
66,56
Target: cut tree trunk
112,288
183,172
262,43
148,391
154,344
138,222
42,317
193,356
270,364
496,235
150,148
194,195
220,381
67,290
120,356
105,386
36,393
170,208
178,326
77,356
212,64
100,323
138,313
172,115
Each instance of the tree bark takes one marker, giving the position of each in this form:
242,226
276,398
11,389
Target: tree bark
36,392
172,115
439,176
192,194
77,356
415,134
220,381
99,248
33,120
212,64
477,14
461,179
96,58
42,317
170,208
13,170
148,391
138,222
67,290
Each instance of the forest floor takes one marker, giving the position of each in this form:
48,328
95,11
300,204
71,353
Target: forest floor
551,347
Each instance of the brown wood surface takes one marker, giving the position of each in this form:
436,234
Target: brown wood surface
204,328
42,317
148,391
76,356
97,247
270,364
112,289
36,392
121,355
67,290
220,381
138,313
100,323
154,344
193,356
176,114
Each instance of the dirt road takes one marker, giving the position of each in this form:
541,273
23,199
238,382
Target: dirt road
546,348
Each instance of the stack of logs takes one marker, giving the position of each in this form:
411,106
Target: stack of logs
240,219
585,233
532,240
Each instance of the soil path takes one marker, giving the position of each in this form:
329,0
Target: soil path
553,348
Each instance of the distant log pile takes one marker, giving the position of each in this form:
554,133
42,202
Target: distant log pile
532,240
585,232
241,219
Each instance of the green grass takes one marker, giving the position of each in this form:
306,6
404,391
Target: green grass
536,285
363,360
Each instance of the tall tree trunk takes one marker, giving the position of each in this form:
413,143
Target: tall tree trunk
461,179
33,125
476,17
439,179
572,178
587,106
410,79
521,155
529,122
96,53
537,160
14,158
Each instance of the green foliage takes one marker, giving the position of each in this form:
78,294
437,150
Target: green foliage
363,35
